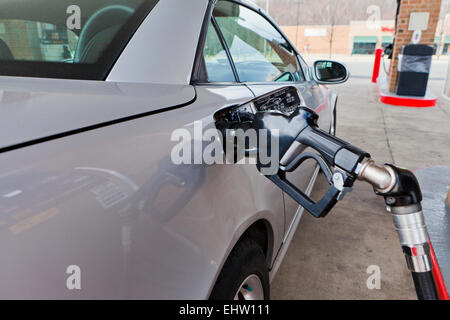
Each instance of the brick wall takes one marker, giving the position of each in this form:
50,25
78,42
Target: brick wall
403,35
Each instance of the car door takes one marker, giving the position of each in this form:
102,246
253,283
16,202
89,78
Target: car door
215,76
264,61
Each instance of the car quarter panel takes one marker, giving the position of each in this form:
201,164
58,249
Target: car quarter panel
32,108
112,202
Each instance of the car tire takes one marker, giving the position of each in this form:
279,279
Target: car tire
246,262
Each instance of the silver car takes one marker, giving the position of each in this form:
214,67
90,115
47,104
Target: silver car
92,204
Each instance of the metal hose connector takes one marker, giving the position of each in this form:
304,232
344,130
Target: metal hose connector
382,178
393,183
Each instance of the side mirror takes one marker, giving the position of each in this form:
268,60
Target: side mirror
329,72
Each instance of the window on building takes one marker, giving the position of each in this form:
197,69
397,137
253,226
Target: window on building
437,40
446,46
364,44
386,41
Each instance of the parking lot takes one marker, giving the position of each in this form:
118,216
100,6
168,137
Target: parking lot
328,258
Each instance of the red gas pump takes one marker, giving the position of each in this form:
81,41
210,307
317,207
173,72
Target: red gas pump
377,64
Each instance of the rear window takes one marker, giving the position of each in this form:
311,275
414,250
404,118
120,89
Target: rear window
74,39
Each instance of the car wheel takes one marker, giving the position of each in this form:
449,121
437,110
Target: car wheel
244,276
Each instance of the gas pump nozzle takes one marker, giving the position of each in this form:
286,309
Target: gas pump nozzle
399,187
298,131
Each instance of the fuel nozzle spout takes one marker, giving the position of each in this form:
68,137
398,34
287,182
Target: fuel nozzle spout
382,178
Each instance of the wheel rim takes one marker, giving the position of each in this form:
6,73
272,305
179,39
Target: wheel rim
250,289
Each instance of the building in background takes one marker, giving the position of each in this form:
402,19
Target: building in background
346,27
356,38
442,40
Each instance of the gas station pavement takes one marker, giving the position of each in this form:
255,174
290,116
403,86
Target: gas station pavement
328,258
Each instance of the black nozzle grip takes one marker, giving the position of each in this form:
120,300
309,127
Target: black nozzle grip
317,209
335,151
326,144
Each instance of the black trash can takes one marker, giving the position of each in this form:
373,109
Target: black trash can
414,70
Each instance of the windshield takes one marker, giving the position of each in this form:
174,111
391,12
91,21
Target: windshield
75,39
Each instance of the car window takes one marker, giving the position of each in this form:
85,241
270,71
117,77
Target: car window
260,53
218,67
55,39
45,41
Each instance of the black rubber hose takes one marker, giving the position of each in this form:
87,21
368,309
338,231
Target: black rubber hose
425,286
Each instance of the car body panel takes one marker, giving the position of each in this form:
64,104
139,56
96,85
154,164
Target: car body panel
32,108
82,200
